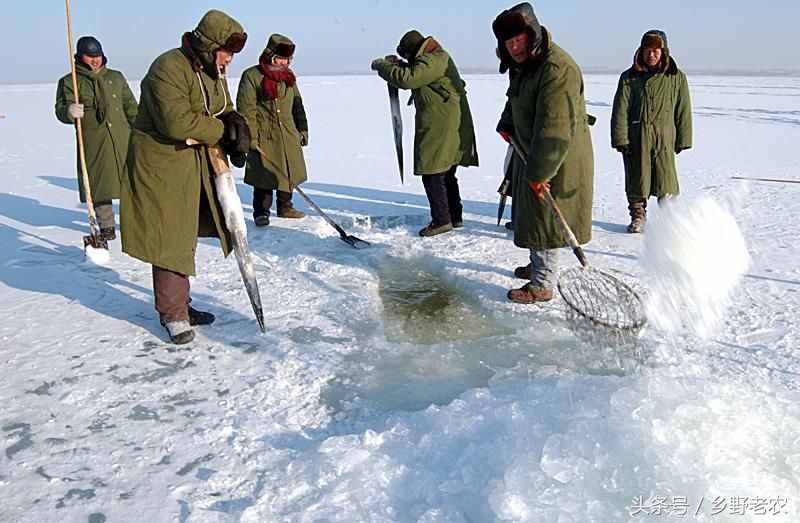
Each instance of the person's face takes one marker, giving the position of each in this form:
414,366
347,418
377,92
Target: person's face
223,59
95,62
517,47
652,56
280,60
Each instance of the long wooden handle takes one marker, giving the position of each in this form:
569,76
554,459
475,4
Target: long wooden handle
551,203
777,180
218,158
87,190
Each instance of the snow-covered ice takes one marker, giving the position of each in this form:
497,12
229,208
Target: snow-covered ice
357,404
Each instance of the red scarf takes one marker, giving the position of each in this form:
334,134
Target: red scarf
273,75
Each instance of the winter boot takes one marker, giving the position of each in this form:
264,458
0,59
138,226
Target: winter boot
458,224
638,214
197,317
523,273
180,332
433,230
108,233
290,212
529,294
262,221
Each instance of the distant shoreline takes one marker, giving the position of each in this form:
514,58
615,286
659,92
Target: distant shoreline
769,73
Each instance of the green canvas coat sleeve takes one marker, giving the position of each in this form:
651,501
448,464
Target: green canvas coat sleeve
299,111
619,114
425,69
129,103
555,123
62,102
683,116
506,122
246,100
173,117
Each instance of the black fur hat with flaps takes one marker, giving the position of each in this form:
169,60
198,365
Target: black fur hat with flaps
409,45
512,22
655,39
280,45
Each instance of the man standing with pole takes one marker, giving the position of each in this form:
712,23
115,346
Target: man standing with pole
548,111
171,196
102,111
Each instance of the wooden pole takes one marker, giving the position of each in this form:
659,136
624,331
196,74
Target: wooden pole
778,180
87,190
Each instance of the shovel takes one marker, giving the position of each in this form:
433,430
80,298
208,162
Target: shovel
94,240
349,239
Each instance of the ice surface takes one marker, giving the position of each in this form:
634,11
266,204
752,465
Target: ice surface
510,417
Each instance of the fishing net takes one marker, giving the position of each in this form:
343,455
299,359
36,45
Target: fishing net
602,299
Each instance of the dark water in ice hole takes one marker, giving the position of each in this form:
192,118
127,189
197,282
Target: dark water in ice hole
439,342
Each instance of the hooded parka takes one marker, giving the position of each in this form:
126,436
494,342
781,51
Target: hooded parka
444,134
109,112
275,125
169,196
652,119
547,111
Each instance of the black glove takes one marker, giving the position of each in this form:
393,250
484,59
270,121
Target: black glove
236,136
624,149
505,187
238,159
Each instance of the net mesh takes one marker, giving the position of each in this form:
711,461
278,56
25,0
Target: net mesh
601,298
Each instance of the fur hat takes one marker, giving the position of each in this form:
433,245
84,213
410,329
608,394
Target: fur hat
512,22
655,39
409,45
280,45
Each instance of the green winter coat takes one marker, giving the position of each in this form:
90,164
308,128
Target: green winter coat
652,115
169,196
444,135
275,125
548,111
109,112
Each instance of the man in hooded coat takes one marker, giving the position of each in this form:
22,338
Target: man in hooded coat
170,196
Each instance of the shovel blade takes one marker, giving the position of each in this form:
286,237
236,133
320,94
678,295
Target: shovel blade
96,241
356,243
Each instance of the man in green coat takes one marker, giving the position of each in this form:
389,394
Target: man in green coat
107,109
444,137
170,196
651,122
270,101
546,116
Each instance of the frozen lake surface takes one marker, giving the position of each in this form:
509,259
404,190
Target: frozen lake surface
398,384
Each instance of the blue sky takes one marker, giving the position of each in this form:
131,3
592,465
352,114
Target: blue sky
343,36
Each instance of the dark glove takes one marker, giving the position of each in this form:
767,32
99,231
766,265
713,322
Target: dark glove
236,136
238,159
624,149
505,187
303,138
678,150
